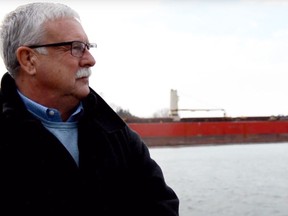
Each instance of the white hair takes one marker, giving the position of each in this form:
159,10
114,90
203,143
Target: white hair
24,26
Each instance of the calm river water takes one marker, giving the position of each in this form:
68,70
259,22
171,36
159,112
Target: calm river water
228,180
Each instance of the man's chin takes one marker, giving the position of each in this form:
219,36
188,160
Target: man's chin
83,95
83,89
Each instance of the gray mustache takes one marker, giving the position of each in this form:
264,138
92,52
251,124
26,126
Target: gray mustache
83,72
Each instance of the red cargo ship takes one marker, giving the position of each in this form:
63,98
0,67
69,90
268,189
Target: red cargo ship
199,131
208,130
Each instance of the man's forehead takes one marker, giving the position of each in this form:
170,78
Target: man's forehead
66,29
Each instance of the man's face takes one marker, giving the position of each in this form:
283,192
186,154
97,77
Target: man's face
56,71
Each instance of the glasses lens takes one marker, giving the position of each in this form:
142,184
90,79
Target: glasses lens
78,49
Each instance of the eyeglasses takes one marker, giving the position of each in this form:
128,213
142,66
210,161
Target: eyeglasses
77,47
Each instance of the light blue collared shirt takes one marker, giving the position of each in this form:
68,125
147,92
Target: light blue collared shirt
66,132
49,114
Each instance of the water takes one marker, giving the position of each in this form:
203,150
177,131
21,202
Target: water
230,180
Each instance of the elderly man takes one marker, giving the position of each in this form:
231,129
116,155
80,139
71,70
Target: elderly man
63,150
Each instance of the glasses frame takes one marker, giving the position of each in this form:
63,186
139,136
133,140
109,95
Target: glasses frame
86,45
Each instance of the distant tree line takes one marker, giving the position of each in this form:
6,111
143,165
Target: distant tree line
123,113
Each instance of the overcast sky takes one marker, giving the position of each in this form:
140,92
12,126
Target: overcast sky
230,55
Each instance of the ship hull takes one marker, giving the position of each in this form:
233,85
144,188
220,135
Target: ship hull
200,132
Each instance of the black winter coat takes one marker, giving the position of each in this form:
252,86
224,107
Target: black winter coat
38,176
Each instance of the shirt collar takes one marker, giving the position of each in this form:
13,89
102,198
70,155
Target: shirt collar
49,114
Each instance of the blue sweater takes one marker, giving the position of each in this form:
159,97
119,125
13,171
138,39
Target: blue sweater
66,132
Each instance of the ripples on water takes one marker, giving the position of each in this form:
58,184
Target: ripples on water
228,180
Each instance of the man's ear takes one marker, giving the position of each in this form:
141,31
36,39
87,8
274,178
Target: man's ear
27,59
